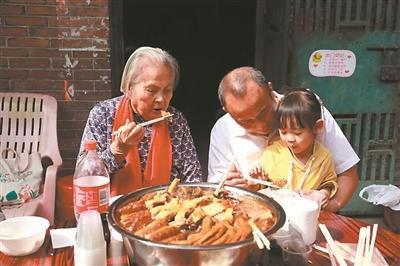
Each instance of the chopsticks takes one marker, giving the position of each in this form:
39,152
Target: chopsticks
262,182
156,120
150,122
261,240
223,179
332,245
365,245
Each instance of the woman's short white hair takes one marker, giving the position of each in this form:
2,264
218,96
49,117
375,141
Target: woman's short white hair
135,64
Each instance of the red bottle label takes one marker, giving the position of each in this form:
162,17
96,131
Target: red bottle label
91,193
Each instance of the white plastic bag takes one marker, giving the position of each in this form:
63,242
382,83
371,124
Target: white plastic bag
20,177
386,195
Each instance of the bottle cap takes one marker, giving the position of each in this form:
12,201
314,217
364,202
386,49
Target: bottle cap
90,144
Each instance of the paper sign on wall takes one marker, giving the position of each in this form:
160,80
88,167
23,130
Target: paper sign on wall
332,63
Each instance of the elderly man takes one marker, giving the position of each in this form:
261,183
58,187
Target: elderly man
242,133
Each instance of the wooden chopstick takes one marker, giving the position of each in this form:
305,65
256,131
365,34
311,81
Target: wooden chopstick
262,182
360,246
223,179
332,245
155,120
257,239
372,245
150,122
259,236
365,245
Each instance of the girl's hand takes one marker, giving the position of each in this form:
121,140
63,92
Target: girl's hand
258,172
326,194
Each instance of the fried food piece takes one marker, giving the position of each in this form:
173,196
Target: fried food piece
132,206
162,233
174,185
151,227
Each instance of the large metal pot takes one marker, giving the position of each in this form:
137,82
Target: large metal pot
146,252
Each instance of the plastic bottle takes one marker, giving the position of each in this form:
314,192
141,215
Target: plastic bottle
91,184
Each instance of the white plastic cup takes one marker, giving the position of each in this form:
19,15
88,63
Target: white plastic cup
90,246
303,215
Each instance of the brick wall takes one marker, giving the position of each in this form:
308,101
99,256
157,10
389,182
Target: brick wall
60,48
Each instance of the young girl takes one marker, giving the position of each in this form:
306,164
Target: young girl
296,160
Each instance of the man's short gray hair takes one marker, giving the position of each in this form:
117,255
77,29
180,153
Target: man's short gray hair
235,82
135,64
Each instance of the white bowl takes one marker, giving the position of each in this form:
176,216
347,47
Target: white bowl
23,235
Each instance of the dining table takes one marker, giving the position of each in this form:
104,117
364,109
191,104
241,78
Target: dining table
343,229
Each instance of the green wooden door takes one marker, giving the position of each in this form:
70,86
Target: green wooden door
365,104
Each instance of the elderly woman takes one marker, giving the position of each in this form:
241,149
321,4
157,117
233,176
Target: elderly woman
138,156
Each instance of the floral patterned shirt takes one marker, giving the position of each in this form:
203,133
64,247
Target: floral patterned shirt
185,162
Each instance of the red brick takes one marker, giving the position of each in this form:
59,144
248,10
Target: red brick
78,105
91,95
92,2
41,10
26,21
48,85
29,63
88,11
70,114
83,86
70,154
28,42
4,85
27,1
81,32
71,144
81,43
38,52
73,124
102,33
2,41
13,31
82,63
14,52
55,43
3,62
91,75
101,43
12,9
44,32
94,54
70,133
102,86
102,64
68,21
13,74
48,74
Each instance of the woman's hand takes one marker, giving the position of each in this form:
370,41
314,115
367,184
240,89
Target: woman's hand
130,134
127,136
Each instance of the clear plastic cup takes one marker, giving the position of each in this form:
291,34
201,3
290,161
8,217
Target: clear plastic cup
295,253
281,235
90,246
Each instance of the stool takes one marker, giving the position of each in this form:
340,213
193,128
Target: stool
64,199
